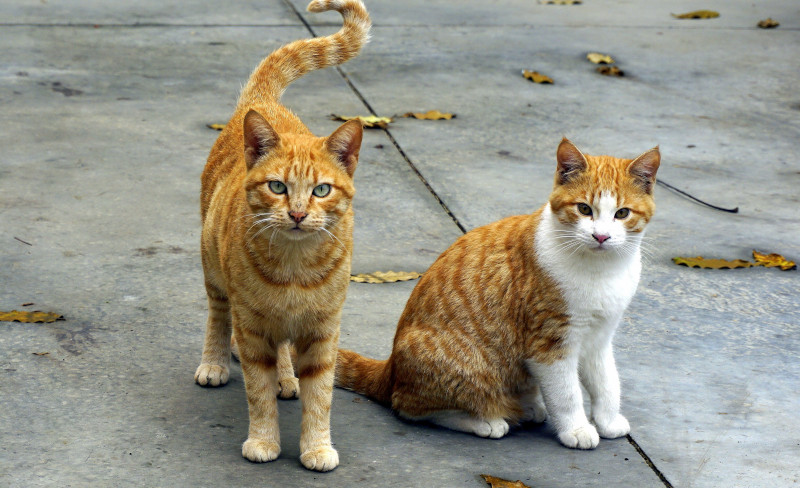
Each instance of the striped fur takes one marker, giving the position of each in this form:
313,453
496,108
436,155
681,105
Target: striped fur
497,329
276,203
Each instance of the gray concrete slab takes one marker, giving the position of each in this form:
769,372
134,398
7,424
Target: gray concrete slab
104,139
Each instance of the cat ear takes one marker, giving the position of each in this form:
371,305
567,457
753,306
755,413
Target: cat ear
644,169
345,143
571,161
259,138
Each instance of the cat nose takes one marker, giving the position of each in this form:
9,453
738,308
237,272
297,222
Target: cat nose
297,216
601,238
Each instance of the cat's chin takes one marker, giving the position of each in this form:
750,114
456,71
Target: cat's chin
297,234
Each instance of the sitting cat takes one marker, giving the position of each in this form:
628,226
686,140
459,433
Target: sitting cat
277,243
510,320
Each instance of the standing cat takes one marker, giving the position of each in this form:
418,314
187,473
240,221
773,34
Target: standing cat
277,242
514,316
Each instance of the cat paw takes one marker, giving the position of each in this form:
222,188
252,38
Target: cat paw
289,388
535,412
211,374
260,451
614,429
320,459
493,429
582,437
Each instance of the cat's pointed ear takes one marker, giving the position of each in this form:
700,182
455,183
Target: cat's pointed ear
259,138
345,143
644,169
571,161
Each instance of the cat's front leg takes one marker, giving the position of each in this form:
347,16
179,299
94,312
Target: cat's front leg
562,397
599,377
316,362
214,368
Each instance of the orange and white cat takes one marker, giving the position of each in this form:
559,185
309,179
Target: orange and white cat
509,321
277,243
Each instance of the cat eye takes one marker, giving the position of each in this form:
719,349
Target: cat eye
622,213
277,187
321,190
584,209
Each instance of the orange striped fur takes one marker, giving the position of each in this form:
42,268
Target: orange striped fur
489,310
277,213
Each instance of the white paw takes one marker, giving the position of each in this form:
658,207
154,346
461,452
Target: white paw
260,451
493,429
289,388
211,374
581,437
320,459
616,428
535,412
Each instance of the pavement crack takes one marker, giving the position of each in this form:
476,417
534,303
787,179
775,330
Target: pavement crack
649,461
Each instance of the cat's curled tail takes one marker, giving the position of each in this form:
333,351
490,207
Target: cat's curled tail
290,62
369,377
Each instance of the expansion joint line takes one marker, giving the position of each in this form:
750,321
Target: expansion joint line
386,131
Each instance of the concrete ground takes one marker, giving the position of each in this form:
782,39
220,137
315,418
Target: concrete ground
103,113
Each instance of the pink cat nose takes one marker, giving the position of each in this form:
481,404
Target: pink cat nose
297,216
601,238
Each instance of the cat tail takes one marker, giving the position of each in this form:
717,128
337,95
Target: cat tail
369,377
290,62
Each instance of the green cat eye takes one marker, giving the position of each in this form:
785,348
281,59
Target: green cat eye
277,187
584,209
622,213
321,190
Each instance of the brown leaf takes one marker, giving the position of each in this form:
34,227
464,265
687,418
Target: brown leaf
560,2
216,126
430,115
385,276
536,77
701,262
368,121
40,353
768,23
598,58
610,71
773,261
30,317
496,482
697,14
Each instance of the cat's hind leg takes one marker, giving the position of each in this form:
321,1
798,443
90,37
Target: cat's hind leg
214,368
533,408
465,422
288,384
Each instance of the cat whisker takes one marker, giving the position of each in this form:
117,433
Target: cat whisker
333,236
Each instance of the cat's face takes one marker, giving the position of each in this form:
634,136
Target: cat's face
602,203
299,185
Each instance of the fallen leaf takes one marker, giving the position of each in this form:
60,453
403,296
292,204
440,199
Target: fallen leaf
598,58
496,482
768,23
385,276
216,126
536,77
40,353
701,262
30,317
560,2
697,14
610,71
430,115
773,261
368,121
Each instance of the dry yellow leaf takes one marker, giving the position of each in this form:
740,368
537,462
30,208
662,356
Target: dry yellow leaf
768,23
216,126
701,262
697,14
598,58
30,317
610,71
560,2
536,77
773,261
496,482
385,276
368,121
430,115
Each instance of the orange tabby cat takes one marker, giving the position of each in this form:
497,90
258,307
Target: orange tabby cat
277,243
515,315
